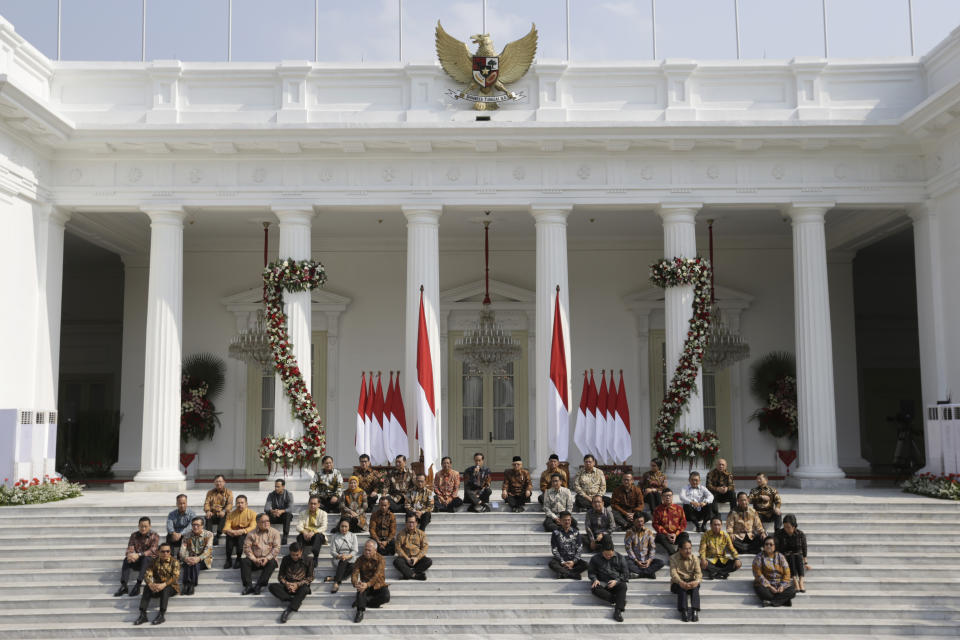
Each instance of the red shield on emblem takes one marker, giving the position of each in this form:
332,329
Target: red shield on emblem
486,70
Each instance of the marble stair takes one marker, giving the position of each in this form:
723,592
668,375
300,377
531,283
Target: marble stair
884,565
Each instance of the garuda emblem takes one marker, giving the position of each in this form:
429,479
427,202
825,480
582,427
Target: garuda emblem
484,71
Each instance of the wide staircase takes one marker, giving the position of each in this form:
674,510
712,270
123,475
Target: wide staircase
884,564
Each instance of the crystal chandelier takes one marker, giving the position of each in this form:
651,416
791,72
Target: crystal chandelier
487,347
252,345
724,345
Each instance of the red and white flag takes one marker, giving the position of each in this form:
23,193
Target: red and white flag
610,442
368,420
558,404
360,441
623,446
580,430
600,437
377,451
397,443
427,427
591,424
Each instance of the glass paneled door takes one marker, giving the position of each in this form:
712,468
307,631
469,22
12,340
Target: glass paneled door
488,414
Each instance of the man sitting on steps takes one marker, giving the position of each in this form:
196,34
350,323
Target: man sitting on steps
697,503
627,502
556,500
383,528
216,505
419,501
279,506
718,557
162,580
369,581
260,551
141,550
178,524
241,521
476,485
517,486
669,522
599,524
196,555
294,578
640,544
311,525
553,466
590,482
412,561
566,547
446,487
744,526
608,575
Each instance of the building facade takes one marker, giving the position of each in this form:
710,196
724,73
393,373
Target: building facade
157,178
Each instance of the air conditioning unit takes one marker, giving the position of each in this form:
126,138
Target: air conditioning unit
28,438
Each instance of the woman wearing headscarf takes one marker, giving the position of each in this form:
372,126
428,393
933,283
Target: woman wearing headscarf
792,543
652,483
353,506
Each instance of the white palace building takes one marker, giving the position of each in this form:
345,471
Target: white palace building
134,196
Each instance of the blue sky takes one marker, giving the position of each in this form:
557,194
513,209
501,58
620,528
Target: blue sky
368,30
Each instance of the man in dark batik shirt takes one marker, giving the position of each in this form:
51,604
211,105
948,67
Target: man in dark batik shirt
517,485
295,576
141,550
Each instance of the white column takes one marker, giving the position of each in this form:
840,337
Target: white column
51,221
817,460
642,435
333,383
551,225
423,269
294,244
160,446
930,316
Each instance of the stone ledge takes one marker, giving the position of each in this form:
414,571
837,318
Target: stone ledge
141,486
820,483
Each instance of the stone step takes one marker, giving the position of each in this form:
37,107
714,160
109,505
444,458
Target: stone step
774,622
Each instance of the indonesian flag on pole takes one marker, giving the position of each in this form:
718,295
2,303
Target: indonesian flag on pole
610,442
426,407
600,439
623,446
376,429
591,423
360,440
580,430
558,406
395,438
368,421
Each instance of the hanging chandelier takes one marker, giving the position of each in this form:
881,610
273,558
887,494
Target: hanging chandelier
252,345
725,346
487,347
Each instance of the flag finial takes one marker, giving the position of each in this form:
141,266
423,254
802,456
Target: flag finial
421,288
558,288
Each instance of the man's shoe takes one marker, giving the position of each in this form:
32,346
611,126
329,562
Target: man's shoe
285,616
256,590
121,591
576,576
650,576
228,564
684,617
135,591
159,619
283,542
141,619
788,603
521,509
618,615
420,576
695,617
247,591
486,508
359,616
765,603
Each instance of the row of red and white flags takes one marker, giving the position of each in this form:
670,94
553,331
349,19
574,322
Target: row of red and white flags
603,419
381,422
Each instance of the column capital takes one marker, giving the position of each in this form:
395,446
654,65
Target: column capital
59,215
556,213
293,212
165,213
808,211
922,211
679,211
422,214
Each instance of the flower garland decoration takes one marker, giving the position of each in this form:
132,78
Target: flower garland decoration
198,420
285,451
779,417
685,445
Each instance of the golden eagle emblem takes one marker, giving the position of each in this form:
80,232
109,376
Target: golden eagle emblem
484,71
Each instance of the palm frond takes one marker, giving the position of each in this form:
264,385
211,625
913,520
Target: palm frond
208,368
765,372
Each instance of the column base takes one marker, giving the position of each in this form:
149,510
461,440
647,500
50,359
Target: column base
166,486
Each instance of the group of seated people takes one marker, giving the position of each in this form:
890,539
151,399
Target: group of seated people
778,566
253,545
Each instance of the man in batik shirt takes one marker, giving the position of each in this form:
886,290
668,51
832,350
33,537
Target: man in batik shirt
419,502
162,580
766,501
371,481
216,506
721,485
640,546
517,486
141,550
196,555
669,522
312,524
627,502
446,487
745,527
383,528
368,579
476,485
553,466
260,551
399,481
294,578
566,548
328,486
590,482
718,557
412,561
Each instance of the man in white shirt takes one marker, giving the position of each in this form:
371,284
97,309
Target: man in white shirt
697,503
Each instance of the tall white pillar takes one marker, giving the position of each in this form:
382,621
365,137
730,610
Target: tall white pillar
552,271
680,241
294,222
51,221
160,447
423,269
933,352
817,460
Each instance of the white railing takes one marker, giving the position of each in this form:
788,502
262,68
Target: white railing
401,30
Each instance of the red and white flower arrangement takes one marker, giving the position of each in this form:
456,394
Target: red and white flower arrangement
669,444
198,419
284,451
